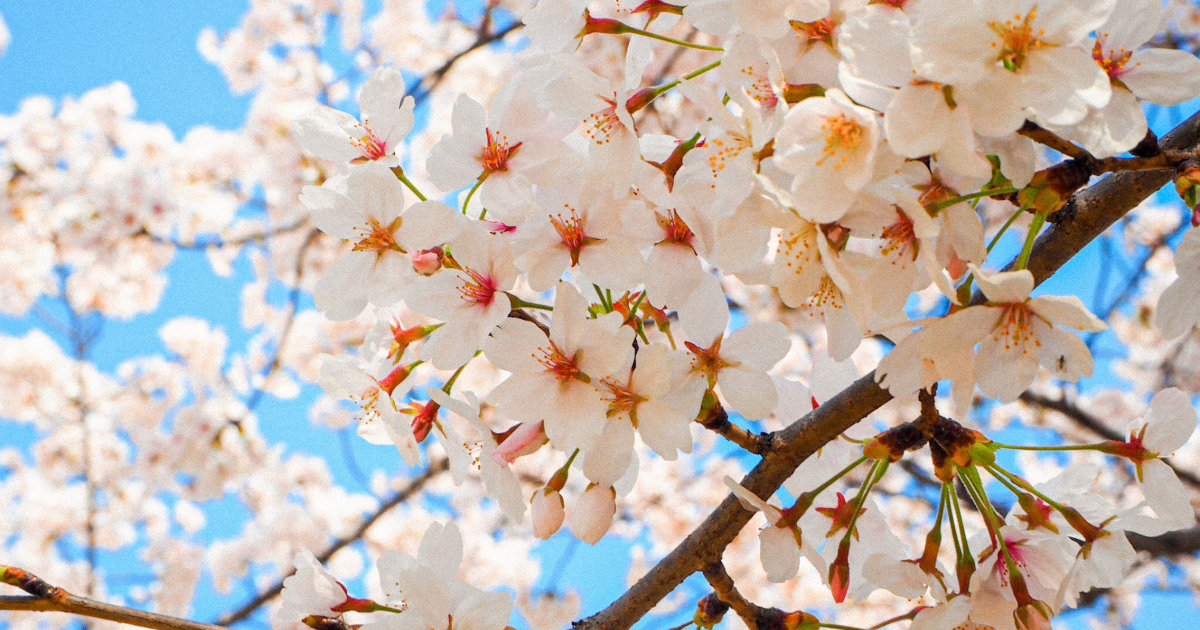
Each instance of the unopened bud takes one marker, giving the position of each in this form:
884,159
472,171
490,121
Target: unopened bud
548,512
1050,188
1187,184
1035,615
709,611
522,439
600,25
427,261
593,514
800,620
839,572
655,7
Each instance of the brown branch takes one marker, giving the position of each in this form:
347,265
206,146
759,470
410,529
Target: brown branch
482,38
273,591
1093,210
716,419
217,241
1046,137
46,598
751,613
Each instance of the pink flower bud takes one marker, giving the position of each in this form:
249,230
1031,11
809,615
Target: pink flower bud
427,262
593,514
548,512
523,439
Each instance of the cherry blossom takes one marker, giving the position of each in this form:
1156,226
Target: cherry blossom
311,590
1015,332
369,212
556,378
335,135
432,599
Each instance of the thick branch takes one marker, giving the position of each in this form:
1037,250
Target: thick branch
1092,211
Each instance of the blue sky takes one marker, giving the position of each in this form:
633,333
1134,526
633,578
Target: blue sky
65,48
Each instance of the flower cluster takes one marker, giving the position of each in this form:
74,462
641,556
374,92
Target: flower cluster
840,153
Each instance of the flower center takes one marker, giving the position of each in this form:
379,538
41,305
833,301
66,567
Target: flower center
842,135
1015,327
369,145
570,230
495,155
1017,39
827,296
820,30
674,229
603,124
798,247
377,238
759,86
1112,61
477,288
708,361
899,238
621,400
559,366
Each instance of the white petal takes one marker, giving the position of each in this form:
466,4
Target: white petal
779,553
916,121
751,502
609,455
1163,76
748,391
441,549
757,344
1004,286
427,224
1166,494
1170,421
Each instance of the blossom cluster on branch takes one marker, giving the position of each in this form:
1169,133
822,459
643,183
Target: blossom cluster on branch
577,272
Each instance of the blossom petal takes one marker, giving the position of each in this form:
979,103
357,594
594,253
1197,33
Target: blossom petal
1170,421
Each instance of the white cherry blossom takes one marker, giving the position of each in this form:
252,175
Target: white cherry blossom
430,595
366,208
387,117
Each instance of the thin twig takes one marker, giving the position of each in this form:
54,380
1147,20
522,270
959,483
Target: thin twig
47,598
716,420
400,497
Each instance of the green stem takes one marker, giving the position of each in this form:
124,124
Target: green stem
941,205
806,500
1006,478
625,28
519,303
1065,447
471,193
877,469
1039,219
399,172
454,377
958,528
1004,228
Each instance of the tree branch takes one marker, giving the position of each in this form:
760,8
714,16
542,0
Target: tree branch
400,497
46,598
1091,211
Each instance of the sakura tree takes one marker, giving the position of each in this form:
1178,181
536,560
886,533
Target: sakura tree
835,313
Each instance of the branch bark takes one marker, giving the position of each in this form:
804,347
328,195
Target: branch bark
1088,213
46,598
